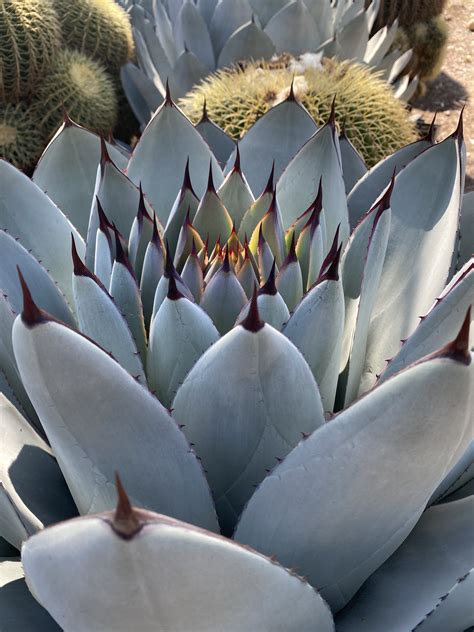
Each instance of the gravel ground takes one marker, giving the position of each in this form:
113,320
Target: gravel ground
454,87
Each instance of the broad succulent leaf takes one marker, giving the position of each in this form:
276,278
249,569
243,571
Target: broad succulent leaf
92,410
353,165
466,250
33,492
144,98
137,562
429,563
191,33
67,170
29,216
249,42
228,16
293,18
170,128
19,608
249,404
427,216
220,143
420,417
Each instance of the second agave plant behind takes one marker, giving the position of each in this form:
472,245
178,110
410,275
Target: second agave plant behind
197,333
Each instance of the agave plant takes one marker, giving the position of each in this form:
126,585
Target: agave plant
185,40
264,425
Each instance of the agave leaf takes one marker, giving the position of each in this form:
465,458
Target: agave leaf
440,323
271,306
246,274
20,611
32,489
144,58
425,215
12,256
434,556
256,211
292,29
316,327
319,160
241,427
126,294
212,219
180,334
452,609
466,250
223,298
206,9
153,268
353,165
365,293
235,194
164,32
191,33
67,169
140,236
185,203
29,216
192,276
119,199
103,257
156,54
98,418
266,9
247,42
460,474
142,94
160,172
354,37
370,186
277,136
228,16
420,417
100,319
220,143
379,45
136,564
187,72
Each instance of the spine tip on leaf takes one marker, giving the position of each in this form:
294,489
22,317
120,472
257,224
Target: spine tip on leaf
252,321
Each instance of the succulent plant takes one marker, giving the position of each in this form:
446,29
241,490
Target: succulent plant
373,119
183,41
30,37
349,501
98,28
408,12
80,86
21,140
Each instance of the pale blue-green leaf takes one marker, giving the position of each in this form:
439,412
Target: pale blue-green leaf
425,216
266,398
191,32
408,428
140,236
353,165
213,219
180,334
185,201
293,30
162,291
153,267
99,419
67,170
459,474
221,145
434,556
164,32
158,57
206,9
20,610
223,299
247,277
187,72
145,61
297,188
236,196
161,172
33,492
353,38
276,137
103,258
228,16
289,283
466,249
272,309
254,214
192,276
100,319
379,45
322,16
28,215
370,186
144,98
247,42
171,576
266,9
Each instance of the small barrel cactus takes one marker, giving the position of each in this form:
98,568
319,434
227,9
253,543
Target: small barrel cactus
30,37
82,88
374,120
21,140
98,28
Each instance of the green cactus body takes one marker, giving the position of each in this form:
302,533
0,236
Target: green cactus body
374,120
98,28
428,40
82,88
21,140
409,12
29,40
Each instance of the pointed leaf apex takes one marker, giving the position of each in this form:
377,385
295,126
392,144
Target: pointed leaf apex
104,223
236,168
168,99
261,238
252,321
80,268
194,249
204,115
291,257
187,185
31,313
270,186
120,253
173,293
226,263
291,95
104,153
142,212
330,259
431,135
170,270
269,287
332,116
458,349
210,180
68,122
126,522
385,200
459,131
155,236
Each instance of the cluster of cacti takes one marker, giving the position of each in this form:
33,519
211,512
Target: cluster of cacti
135,340
423,30
183,41
373,119
56,56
